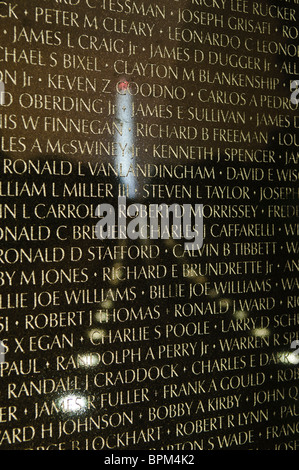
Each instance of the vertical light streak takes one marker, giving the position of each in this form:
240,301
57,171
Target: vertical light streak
125,142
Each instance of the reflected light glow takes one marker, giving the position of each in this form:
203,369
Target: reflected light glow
102,316
72,403
224,302
96,335
213,293
240,314
88,360
199,280
106,304
261,332
125,142
287,357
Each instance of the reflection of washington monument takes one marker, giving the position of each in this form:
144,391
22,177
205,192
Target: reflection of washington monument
147,217
125,142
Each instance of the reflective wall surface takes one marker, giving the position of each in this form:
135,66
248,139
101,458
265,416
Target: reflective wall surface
122,329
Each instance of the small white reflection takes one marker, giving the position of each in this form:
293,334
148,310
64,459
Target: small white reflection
72,403
225,302
88,360
213,293
261,332
96,335
101,316
199,279
241,314
107,304
116,280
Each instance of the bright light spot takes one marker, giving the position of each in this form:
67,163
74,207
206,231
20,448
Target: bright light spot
287,357
72,403
125,142
88,360
115,281
261,332
199,279
293,358
107,304
224,302
240,314
97,335
102,316
213,293
2,352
